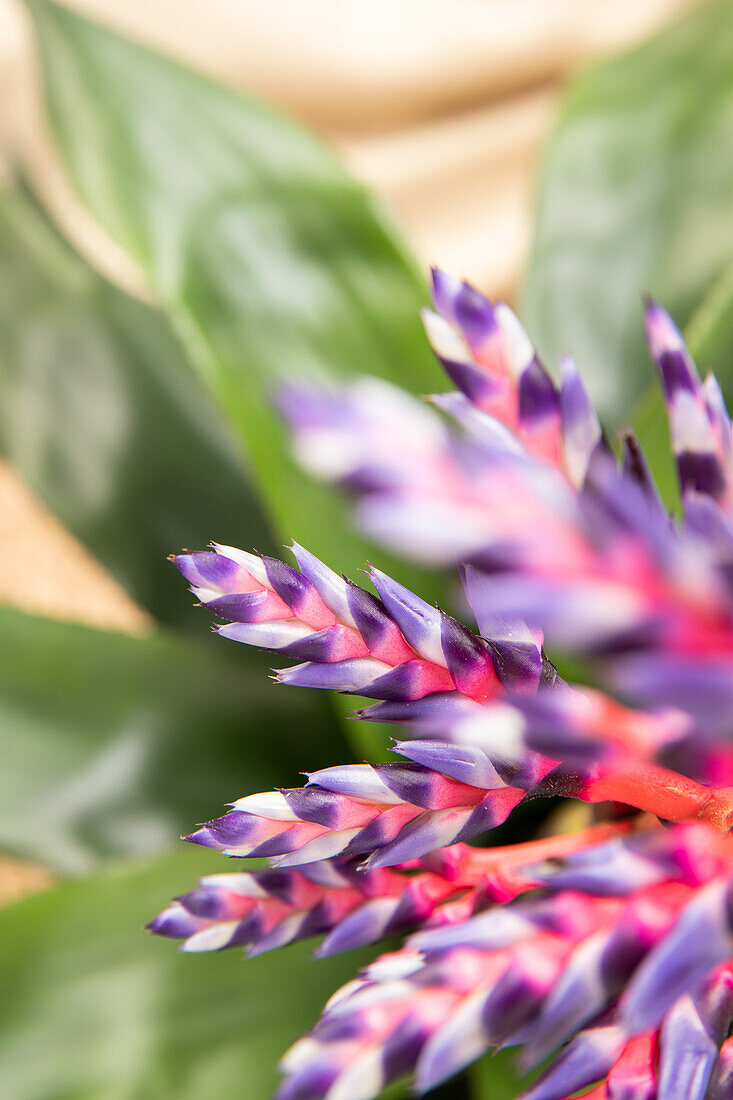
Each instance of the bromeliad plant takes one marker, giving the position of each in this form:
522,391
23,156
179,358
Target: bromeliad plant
124,418
611,947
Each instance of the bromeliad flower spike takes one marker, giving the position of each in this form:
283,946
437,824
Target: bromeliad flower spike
609,949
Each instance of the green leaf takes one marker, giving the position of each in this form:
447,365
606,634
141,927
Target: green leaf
649,421
113,744
495,1077
636,194
710,333
270,259
93,1007
105,420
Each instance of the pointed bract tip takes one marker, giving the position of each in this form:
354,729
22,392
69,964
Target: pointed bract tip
440,280
568,367
197,837
657,316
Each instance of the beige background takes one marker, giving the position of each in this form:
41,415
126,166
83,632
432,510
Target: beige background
441,106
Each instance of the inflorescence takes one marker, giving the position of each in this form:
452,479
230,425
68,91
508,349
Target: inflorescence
609,947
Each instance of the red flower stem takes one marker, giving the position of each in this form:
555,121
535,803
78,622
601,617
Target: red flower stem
660,791
502,866
551,847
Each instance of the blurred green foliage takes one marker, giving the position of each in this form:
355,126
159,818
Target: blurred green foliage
114,745
270,261
104,419
635,195
94,1007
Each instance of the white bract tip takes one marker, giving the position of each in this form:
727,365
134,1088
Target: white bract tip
519,350
210,939
446,341
243,884
270,804
251,562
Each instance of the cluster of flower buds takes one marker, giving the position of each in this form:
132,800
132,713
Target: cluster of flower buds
426,669
391,813
700,428
488,356
385,813
351,906
262,910
551,530
609,948
393,647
